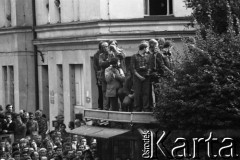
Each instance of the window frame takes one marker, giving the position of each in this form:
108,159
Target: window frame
147,9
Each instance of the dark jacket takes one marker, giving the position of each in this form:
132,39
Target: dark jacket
10,128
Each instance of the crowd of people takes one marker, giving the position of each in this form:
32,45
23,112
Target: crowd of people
26,136
132,86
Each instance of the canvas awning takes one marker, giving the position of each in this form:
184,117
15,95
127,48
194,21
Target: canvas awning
98,132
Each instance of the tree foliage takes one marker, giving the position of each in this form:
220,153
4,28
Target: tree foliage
206,93
214,14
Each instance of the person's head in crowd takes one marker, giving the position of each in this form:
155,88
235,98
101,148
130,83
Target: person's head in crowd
78,153
28,158
49,146
112,42
52,134
9,108
100,46
83,141
153,45
71,125
25,149
2,143
56,139
9,117
81,147
112,45
68,139
144,47
34,155
166,47
24,154
15,146
74,137
21,112
31,116
70,154
33,144
58,150
42,152
26,116
104,47
38,114
30,150
34,135
58,134
43,158
161,42
67,146
114,62
54,155
94,143
49,153
23,143
58,144
63,128
16,155
8,146
39,139
28,138
77,123
18,118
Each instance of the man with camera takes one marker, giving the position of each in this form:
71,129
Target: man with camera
114,76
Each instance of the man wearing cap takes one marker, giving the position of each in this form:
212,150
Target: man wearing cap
141,68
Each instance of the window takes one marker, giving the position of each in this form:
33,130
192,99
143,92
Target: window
158,7
8,82
76,81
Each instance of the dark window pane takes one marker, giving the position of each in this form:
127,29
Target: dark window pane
158,7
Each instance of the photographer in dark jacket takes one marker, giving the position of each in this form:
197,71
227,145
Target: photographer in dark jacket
141,69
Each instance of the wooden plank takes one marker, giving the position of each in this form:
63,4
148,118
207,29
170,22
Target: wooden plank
128,117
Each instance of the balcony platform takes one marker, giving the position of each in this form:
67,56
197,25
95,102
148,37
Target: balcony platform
117,116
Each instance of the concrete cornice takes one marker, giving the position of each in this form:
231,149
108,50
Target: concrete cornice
117,36
14,30
148,20
129,29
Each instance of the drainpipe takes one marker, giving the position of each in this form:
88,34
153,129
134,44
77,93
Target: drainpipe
35,54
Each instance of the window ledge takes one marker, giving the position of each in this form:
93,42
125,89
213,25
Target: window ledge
165,17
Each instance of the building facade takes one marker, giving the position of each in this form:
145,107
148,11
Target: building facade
47,46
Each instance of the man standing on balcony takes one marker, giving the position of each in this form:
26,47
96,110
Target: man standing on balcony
114,76
104,59
97,70
141,68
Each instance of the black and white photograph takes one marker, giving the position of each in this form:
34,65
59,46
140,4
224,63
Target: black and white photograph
119,79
